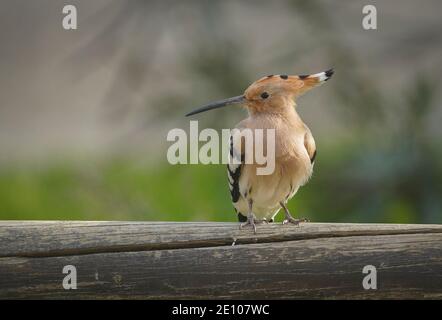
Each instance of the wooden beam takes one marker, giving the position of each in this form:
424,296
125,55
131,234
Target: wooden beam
158,260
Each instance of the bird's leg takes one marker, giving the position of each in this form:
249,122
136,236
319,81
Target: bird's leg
250,218
288,217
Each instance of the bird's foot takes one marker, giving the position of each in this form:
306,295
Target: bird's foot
294,221
252,221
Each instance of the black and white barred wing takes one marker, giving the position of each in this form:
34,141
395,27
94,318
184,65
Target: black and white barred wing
234,168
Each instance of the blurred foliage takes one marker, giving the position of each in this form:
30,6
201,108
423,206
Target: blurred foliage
347,186
118,189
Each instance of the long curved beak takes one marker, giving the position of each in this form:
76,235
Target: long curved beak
218,104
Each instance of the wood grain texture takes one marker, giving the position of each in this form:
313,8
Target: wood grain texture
145,260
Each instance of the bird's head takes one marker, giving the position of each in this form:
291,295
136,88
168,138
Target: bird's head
271,93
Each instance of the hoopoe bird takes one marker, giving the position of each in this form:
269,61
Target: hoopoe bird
270,102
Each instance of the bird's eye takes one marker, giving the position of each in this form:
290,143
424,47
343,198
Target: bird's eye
264,95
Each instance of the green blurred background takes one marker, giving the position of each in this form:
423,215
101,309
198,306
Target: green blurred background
84,114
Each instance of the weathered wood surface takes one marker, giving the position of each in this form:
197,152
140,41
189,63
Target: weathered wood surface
153,260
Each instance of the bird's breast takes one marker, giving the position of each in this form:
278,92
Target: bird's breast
267,191
292,166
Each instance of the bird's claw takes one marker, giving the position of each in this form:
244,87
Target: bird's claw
249,222
253,222
294,221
